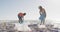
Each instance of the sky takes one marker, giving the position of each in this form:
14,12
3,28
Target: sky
9,9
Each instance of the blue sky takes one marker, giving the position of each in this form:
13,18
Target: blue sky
10,8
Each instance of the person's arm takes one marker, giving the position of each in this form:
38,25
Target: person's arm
45,12
40,13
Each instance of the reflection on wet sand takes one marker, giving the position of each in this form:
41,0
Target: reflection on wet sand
27,27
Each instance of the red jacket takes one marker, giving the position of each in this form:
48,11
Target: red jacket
21,14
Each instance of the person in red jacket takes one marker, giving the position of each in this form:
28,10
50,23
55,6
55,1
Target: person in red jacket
21,16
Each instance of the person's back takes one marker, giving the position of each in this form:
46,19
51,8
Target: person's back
43,13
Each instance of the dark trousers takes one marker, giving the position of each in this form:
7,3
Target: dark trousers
20,19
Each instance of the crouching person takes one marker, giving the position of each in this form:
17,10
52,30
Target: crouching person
21,17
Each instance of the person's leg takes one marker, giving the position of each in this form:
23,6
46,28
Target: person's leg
20,19
43,21
40,20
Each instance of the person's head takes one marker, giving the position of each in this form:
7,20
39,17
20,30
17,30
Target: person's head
24,14
40,7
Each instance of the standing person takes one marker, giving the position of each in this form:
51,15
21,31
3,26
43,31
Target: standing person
21,16
42,13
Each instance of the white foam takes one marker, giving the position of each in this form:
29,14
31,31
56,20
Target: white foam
22,27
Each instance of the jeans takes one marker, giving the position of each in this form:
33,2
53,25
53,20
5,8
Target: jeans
42,18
